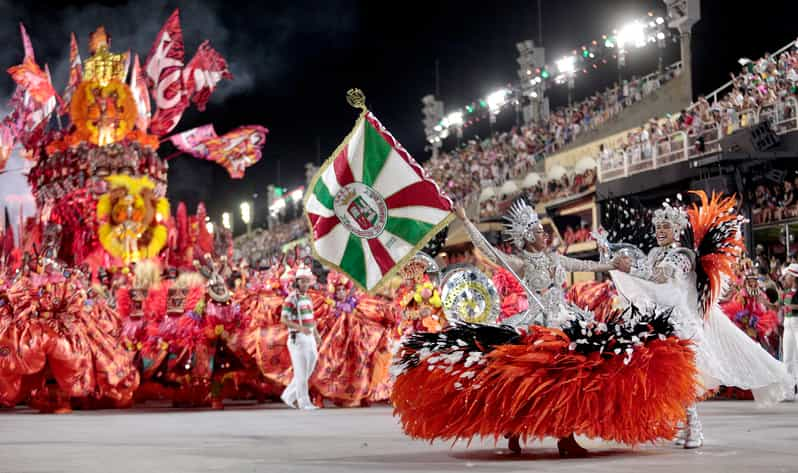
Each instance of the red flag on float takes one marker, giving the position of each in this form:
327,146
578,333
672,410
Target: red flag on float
138,87
75,73
238,149
235,151
205,70
33,80
26,44
163,68
193,141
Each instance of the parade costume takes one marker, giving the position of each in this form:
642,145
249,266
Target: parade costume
354,355
689,278
303,348
746,308
479,380
790,338
52,350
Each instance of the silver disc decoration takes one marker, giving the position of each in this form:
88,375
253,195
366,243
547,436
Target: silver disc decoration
470,296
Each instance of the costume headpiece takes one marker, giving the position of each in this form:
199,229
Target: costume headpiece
674,216
521,222
303,272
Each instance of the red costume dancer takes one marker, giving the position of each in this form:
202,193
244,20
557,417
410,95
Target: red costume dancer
748,311
354,356
53,350
140,305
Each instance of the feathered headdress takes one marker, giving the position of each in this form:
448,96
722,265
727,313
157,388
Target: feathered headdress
717,242
521,222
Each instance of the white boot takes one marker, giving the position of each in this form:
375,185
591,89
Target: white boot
681,435
695,433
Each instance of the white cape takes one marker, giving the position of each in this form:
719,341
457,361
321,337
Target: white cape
725,355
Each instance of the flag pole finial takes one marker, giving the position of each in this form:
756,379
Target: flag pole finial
356,98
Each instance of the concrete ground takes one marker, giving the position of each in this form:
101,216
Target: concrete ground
271,438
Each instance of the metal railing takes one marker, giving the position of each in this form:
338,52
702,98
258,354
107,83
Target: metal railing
681,146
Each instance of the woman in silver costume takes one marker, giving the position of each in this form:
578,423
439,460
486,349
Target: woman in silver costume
544,273
723,353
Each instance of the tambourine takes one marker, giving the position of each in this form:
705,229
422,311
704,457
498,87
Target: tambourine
469,296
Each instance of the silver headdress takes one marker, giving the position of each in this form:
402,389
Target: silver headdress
521,222
676,217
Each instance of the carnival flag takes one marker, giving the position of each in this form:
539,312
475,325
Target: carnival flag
26,43
138,88
371,207
164,66
75,73
193,140
235,151
205,70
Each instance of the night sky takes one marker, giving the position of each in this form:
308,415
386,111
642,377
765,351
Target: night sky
294,61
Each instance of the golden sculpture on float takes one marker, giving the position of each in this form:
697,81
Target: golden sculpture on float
132,217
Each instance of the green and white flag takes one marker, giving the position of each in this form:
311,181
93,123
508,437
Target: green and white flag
371,207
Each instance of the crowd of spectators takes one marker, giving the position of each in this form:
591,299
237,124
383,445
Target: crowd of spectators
544,191
759,91
509,155
262,244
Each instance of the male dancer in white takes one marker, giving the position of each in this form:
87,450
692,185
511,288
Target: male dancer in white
303,339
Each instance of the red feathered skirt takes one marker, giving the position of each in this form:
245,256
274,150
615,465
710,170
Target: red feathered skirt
538,386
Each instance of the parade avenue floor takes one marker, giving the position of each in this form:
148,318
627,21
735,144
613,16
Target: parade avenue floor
271,438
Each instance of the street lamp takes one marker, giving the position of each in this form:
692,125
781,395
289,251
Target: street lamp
209,227
226,221
246,215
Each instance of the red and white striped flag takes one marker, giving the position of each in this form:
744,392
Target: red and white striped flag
205,70
163,67
75,73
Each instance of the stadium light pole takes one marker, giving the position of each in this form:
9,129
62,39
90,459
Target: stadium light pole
682,15
246,215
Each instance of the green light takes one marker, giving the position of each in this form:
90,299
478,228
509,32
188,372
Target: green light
278,191
544,74
483,104
469,109
585,53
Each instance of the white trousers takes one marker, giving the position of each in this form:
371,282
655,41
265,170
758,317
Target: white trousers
789,345
304,355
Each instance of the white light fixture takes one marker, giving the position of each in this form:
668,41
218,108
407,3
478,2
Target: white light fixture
209,227
533,94
496,99
632,34
660,20
660,35
566,65
246,214
296,195
438,127
226,220
455,119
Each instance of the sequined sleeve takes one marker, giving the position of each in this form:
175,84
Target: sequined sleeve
578,265
674,265
488,250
